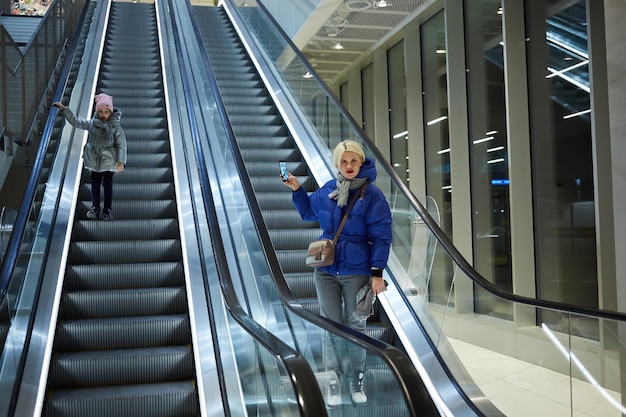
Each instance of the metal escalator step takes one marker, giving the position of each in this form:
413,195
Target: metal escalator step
124,252
150,129
121,191
134,209
123,302
261,109
288,219
270,155
121,367
136,174
174,399
301,285
143,105
379,331
285,239
150,160
130,54
110,84
122,333
139,275
254,119
146,146
249,101
268,169
118,230
145,175
143,77
270,201
292,260
256,130
266,183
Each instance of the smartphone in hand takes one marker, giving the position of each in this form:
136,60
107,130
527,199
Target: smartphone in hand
284,174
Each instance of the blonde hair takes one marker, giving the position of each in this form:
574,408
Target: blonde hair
347,146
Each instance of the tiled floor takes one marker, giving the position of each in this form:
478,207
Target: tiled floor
520,389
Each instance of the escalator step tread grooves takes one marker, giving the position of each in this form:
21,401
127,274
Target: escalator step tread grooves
263,140
123,339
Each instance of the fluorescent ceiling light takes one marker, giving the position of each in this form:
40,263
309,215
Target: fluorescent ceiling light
497,148
437,120
564,70
401,134
441,152
580,113
487,139
338,46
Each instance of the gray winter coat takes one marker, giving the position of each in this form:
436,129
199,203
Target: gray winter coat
106,141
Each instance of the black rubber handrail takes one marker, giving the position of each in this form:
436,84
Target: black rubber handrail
443,239
304,382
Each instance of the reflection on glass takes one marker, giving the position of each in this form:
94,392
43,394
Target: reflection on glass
562,156
488,151
344,97
397,111
367,87
437,142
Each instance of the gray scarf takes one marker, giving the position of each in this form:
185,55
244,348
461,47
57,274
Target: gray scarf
344,186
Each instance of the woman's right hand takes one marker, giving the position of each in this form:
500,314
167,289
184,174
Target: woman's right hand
58,104
291,182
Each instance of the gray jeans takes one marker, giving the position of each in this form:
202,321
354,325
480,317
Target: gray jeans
337,299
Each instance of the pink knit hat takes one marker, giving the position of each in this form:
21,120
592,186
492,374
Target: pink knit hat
104,101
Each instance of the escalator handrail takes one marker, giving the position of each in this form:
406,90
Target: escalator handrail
304,382
443,239
418,401
21,220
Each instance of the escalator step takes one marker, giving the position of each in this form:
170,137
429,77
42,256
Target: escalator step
122,367
123,302
125,252
86,230
122,333
139,275
135,209
174,399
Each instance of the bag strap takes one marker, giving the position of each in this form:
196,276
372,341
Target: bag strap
345,216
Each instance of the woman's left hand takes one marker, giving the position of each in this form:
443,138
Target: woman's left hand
378,285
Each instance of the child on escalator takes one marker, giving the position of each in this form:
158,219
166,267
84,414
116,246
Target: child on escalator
105,150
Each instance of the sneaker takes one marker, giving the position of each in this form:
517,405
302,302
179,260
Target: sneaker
356,388
333,392
94,213
106,214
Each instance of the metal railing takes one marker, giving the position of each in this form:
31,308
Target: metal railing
28,76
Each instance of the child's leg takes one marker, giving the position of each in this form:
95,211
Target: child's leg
96,180
107,180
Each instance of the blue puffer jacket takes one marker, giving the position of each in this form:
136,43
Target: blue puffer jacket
106,143
366,238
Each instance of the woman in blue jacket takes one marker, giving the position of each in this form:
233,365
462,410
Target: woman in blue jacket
361,253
